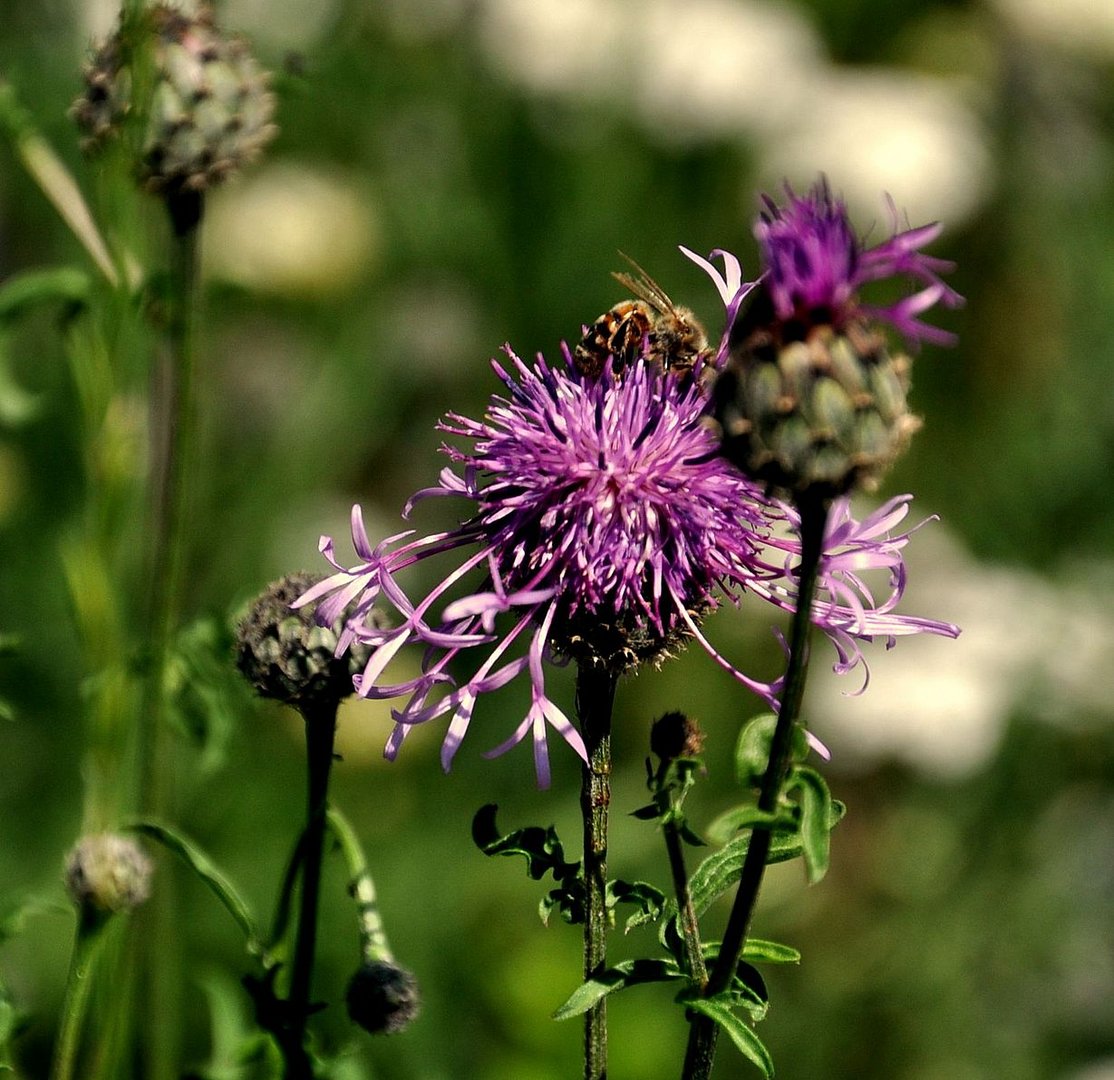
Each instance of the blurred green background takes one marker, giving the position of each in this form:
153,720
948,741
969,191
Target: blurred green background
453,174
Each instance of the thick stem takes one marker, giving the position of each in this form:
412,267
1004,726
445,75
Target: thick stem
595,699
320,735
703,1031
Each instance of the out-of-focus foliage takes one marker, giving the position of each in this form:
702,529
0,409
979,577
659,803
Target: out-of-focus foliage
452,174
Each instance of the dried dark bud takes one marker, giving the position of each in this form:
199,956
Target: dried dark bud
674,736
285,655
383,998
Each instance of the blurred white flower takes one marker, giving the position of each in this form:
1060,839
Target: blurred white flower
291,229
942,706
1083,25
890,131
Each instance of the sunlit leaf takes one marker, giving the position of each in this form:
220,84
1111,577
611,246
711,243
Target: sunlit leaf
816,813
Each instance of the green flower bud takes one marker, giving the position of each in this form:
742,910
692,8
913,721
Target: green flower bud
285,655
826,414
211,108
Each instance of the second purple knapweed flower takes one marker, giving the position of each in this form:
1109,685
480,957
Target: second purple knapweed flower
809,396
603,527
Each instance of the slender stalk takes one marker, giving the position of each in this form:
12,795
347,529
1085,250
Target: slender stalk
595,699
373,935
690,928
171,425
703,1031
87,946
320,736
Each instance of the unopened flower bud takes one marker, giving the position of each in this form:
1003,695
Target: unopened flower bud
107,873
382,997
825,414
210,111
285,655
675,735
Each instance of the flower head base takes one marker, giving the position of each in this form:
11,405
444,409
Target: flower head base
809,397
603,524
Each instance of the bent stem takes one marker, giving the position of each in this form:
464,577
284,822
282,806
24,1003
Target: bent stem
320,735
595,699
373,936
686,912
703,1031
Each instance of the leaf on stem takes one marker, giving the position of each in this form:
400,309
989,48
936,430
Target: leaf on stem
619,977
649,900
207,871
816,814
742,1034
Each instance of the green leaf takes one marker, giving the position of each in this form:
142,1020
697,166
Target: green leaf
752,749
720,870
758,951
64,284
646,813
649,900
745,816
742,1034
14,918
210,876
816,812
543,853
619,977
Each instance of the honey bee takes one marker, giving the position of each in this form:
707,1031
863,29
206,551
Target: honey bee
650,326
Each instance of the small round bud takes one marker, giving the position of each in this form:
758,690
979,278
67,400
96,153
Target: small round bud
210,111
674,736
107,873
823,414
382,997
285,655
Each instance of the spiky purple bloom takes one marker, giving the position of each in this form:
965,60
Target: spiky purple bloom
846,607
813,266
596,503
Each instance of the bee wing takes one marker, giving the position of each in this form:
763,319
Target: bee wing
645,288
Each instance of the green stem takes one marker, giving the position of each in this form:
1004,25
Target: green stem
87,946
595,699
320,736
373,937
172,422
703,1031
690,928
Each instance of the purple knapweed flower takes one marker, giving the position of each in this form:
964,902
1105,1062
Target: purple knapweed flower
808,395
845,607
603,526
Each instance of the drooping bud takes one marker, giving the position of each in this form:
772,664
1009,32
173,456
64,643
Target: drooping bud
382,997
107,873
210,109
675,735
285,655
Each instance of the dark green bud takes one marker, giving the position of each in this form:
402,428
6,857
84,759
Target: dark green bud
383,998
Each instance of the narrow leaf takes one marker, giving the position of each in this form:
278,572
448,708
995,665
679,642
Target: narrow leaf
647,898
21,291
757,951
742,1034
207,871
619,977
727,824
752,749
816,810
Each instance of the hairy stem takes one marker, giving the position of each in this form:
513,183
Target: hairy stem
703,1031
595,699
